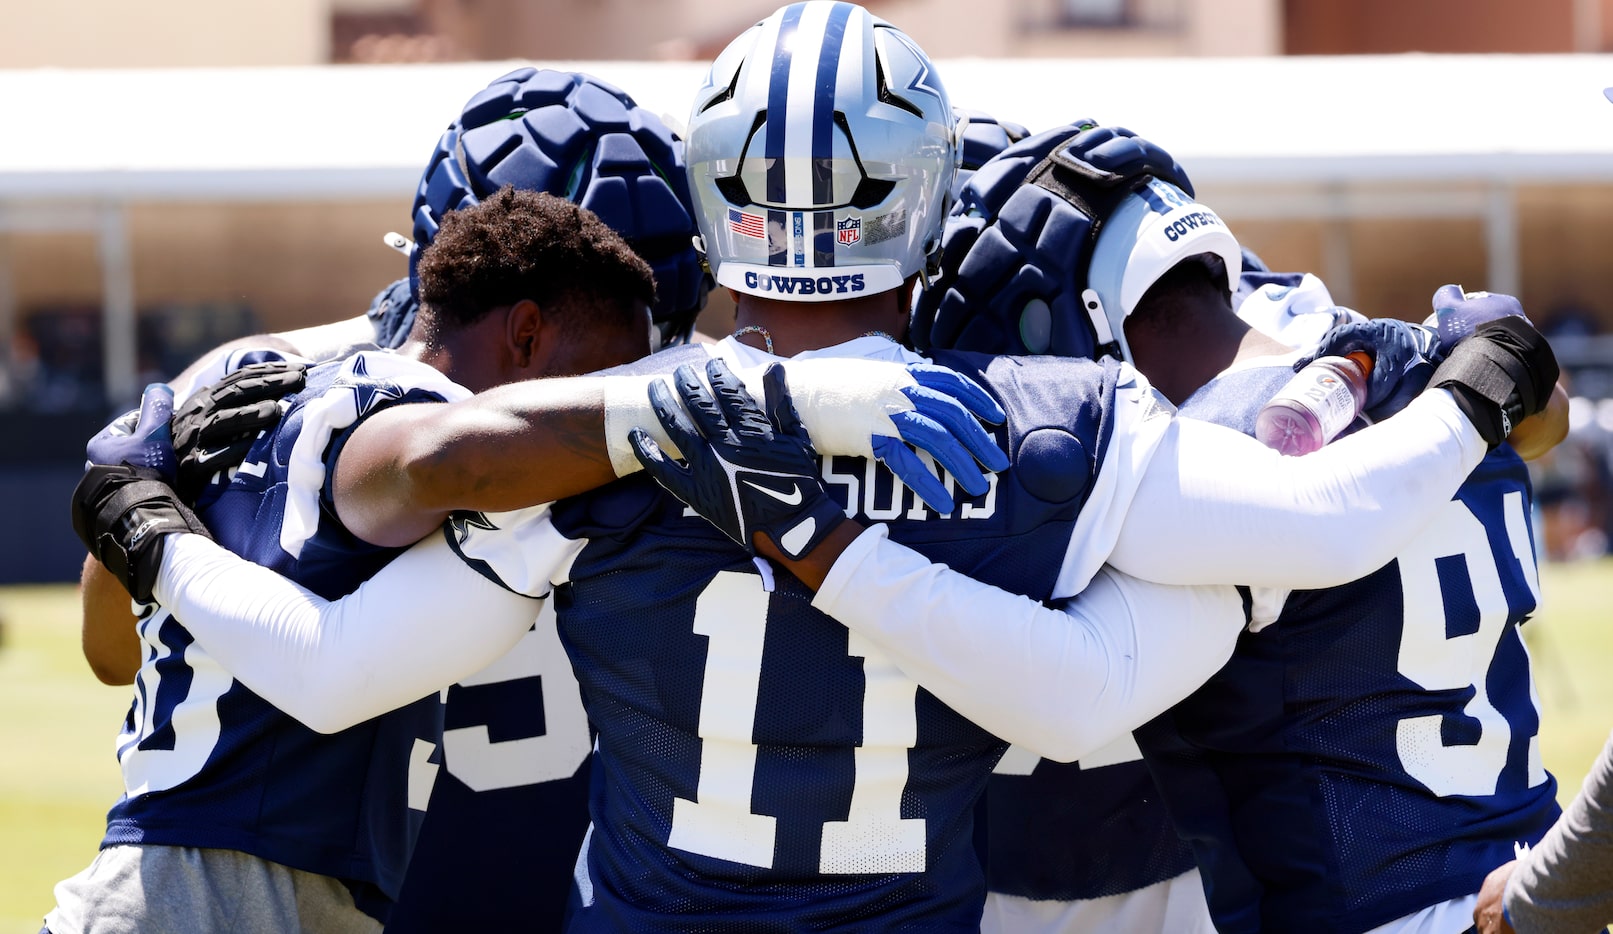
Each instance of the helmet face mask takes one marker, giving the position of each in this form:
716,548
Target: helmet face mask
821,151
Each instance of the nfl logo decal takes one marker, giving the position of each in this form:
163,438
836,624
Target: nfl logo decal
849,231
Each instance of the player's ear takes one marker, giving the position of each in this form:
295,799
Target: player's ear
523,333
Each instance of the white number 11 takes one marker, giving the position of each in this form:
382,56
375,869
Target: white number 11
732,613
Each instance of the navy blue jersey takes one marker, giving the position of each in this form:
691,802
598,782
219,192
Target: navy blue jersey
1373,752
759,767
1124,838
510,807
208,763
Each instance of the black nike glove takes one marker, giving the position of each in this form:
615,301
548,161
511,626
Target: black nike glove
208,436
123,515
748,470
1500,376
216,426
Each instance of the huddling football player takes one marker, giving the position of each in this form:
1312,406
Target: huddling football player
759,767
235,815
514,774
1301,769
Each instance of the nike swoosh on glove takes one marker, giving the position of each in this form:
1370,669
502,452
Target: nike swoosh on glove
872,408
747,469
216,426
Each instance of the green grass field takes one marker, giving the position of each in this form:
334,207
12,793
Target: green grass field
58,773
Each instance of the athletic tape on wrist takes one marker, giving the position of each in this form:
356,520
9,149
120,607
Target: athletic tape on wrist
627,406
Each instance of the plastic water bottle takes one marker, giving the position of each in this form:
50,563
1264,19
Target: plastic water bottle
1319,402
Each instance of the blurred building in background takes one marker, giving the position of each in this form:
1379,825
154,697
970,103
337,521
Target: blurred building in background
105,283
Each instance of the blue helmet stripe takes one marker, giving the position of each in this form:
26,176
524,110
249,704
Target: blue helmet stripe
823,238
834,37
778,89
778,238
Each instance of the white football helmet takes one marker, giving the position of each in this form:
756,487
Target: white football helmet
1155,228
820,152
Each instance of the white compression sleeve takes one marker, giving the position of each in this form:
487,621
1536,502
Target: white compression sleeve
1216,506
1059,682
422,623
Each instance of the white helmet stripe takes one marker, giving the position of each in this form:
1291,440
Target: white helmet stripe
802,114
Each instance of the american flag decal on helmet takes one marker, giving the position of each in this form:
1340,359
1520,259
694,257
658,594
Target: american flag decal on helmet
746,224
849,230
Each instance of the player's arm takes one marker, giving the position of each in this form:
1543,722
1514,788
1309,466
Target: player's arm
110,643
315,344
209,433
107,634
1538,434
403,470
425,621
1081,674
1213,505
1060,681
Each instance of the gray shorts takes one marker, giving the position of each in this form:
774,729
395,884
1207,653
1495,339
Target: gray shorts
184,890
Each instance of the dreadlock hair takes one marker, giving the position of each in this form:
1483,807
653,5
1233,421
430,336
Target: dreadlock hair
532,245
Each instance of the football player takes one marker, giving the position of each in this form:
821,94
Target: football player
235,816
758,768
514,772
509,808
1362,762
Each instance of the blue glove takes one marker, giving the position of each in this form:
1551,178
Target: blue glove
1403,355
1457,313
948,408
870,408
142,438
747,470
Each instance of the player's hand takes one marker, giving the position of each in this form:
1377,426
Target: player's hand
748,470
1113,154
869,408
216,426
123,515
141,438
1502,374
1489,914
1403,360
1457,313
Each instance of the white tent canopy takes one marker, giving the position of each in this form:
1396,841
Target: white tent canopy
1316,137
346,131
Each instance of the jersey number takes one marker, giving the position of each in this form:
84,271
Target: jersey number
732,613
1437,662
473,757
174,724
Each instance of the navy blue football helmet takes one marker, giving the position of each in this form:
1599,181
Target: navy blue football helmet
984,136
577,137
1052,243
